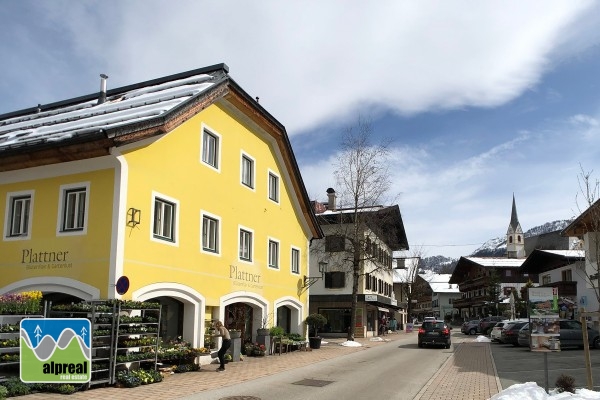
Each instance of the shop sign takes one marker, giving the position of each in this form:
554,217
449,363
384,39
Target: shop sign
370,297
244,278
43,259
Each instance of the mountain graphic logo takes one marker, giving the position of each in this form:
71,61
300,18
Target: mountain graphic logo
55,350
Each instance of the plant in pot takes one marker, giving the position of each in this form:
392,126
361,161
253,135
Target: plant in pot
314,322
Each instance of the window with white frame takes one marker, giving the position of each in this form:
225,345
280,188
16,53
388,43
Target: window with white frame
247,171
546,279
74,205
273,253
210,148
245,245
273,187
164,219
295,262
18,217
210,234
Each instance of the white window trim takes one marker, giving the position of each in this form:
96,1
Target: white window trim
242,155
292,258
219,242
269,173
269,240
59,222
175,219
252,255
204,128
8,216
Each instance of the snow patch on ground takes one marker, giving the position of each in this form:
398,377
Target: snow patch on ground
482,338
531,391
350,343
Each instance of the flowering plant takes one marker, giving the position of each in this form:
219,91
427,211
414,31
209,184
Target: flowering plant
179,349
21,303
255,349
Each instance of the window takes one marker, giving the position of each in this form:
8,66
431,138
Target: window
164,219
273,187
567,275
19,209
245,245
335,280
210,148
295,261
210,234
508,272
335,243
247,171
273,254
74,204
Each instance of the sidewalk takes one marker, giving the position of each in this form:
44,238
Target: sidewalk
469,373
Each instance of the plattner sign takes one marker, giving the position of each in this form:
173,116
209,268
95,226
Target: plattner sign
34,259
244,278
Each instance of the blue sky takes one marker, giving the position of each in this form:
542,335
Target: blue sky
481,99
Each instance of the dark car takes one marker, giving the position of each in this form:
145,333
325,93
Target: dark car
434,333
470,327
523,336
571,334
486,324
510,333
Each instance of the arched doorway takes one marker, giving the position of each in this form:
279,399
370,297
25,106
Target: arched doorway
239,316
284,318
171,318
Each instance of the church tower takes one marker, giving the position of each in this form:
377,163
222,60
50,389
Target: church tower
515,242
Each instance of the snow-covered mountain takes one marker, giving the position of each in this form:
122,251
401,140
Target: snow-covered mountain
492,248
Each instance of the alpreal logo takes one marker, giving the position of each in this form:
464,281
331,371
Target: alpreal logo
56,350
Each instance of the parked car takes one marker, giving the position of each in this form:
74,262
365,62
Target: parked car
497,331
486,324
523,336
571,334
470,327
435,332
510,333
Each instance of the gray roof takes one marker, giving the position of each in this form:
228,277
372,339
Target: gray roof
83,116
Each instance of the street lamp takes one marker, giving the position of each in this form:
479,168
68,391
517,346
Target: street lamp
310,280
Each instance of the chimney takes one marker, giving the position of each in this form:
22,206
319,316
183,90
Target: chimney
102,97
331,199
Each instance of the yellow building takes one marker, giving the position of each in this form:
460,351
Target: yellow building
181,189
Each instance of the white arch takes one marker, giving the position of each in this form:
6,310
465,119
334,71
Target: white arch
297,314
258,303
193,306
55,284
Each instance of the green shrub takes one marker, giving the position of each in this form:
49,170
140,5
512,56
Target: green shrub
276,331
15,387
3,392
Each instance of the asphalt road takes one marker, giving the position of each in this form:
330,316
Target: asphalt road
519,365
394,370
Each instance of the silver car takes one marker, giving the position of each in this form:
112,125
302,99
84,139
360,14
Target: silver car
523,336
470,327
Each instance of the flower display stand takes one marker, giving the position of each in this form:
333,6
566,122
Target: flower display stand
236,349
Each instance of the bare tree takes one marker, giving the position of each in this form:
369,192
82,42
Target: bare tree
588,205
367,227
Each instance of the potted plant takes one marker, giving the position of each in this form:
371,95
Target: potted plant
263,330
235,333
314,322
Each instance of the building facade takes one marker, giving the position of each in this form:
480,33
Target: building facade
181,190
332,295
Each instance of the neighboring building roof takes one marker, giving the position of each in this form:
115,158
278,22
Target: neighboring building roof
385,222
83,128
587,221
540,261
439,283
464,263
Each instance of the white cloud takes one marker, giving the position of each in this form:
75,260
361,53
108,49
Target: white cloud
312,62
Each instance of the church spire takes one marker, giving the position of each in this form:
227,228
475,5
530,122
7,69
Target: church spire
515,242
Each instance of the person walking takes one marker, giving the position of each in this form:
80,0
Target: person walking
225,343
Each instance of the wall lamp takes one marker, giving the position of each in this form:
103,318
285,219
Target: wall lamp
310,280
133,217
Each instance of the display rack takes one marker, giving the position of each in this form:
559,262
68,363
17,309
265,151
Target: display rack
101,315
136,337
10,348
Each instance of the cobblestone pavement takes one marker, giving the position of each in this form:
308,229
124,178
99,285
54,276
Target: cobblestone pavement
469,373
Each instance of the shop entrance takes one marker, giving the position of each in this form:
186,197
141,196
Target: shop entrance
239,316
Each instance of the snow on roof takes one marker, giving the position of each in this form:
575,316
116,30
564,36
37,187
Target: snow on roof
497,261
135,105
567,253
350,210
439,282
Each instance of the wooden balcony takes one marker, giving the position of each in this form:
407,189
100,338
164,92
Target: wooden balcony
565,288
